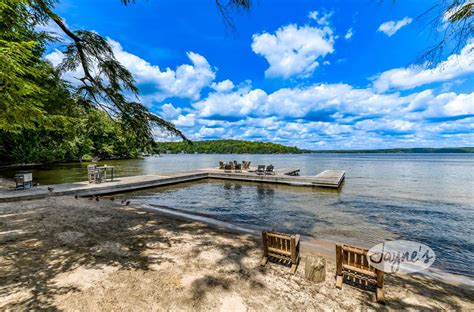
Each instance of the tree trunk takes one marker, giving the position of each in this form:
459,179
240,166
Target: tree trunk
315,269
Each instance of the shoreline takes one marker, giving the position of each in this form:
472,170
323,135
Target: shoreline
63,253
323,247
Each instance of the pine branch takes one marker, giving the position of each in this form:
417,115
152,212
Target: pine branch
90,50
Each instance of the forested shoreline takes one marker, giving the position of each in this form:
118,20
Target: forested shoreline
43,118
225,147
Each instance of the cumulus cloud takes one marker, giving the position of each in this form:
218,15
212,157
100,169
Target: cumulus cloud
334,116
186,81
391,27
317,102
208,133
223,86
406,78
188,120
168,111
243,102
294,50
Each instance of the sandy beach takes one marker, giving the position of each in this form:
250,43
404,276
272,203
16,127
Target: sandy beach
73,254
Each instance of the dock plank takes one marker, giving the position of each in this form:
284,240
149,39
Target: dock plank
327,178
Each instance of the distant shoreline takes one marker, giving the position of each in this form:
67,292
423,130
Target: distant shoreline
415,150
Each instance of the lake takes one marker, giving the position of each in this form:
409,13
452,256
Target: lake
421,197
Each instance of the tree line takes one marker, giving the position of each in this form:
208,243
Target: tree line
226,147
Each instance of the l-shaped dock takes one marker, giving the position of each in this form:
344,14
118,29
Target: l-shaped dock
328,179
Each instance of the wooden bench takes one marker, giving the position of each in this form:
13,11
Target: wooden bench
281,246
352,264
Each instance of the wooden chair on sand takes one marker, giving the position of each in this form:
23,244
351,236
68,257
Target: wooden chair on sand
352,267
221,165
260,169
227,168
283,247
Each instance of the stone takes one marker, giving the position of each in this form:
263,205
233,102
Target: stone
315,269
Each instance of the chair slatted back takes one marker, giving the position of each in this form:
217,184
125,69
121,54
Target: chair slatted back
353,262
353,265
279,245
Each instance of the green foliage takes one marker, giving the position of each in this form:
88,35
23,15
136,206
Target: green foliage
226,147
20,69
65,130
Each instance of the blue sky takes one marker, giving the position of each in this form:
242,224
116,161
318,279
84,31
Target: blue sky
312,74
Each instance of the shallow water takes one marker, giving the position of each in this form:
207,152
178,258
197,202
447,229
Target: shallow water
421,197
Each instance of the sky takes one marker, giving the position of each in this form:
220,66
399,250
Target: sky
312,74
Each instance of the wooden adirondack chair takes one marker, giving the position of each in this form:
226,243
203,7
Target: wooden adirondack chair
238,168
270,170
260,169
352,264
281,246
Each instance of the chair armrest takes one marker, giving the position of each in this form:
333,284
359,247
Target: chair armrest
297,239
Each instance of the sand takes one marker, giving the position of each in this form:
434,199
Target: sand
72,254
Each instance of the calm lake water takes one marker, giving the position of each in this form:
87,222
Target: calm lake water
422,197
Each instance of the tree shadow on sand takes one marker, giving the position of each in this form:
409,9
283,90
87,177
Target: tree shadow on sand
44,239
45,243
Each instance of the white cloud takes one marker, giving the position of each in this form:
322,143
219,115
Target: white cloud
168,111
223,86
406,78
53,29
385,124
293,50
447,105
240,103
186,81
205,132
321,19
339,115
391,27
399,125
72,77
317,102
253,132
188,120
349,34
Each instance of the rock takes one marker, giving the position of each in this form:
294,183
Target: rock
315,269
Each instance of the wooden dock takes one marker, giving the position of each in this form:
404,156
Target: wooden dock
327,178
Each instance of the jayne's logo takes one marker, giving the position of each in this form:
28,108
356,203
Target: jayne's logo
401,256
